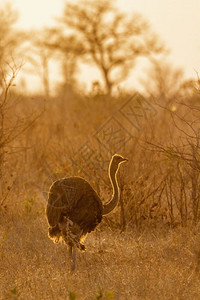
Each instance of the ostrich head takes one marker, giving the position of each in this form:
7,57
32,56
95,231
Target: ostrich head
116,160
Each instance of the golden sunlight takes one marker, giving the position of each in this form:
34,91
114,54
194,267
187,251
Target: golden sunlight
100,149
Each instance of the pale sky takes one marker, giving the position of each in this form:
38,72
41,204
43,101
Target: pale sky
177,22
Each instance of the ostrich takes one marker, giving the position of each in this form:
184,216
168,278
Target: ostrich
74,208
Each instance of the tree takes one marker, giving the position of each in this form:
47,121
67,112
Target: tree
13,124
164,81
9,40
101,35
39,56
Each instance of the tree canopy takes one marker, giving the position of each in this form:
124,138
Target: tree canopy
100,35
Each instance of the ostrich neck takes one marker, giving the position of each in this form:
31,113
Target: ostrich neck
107,208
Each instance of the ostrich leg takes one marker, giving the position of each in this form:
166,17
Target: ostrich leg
73,252
70,251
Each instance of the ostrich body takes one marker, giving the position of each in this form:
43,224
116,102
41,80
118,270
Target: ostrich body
74,208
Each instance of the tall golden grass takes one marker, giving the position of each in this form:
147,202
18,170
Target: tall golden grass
149,247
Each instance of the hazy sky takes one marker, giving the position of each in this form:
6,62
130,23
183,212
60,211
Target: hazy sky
177,22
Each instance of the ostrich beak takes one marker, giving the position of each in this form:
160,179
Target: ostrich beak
125,160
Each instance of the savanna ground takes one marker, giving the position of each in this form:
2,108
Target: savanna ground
149,248
155,264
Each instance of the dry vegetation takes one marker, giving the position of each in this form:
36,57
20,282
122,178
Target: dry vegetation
149,248
156,264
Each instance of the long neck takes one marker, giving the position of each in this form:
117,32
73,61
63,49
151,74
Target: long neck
107,208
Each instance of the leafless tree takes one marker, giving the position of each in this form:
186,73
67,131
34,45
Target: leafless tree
102,36
10,39
39,56
12,125
163,81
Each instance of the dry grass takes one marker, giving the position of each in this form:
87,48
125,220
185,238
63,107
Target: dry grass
155,264
155,258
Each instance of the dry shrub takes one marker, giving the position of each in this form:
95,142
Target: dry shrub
157,256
